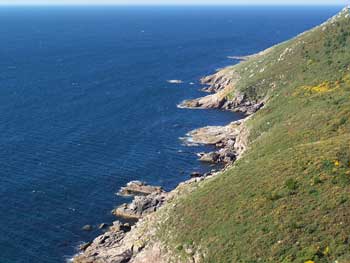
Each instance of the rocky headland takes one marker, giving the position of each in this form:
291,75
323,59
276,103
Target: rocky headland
222,86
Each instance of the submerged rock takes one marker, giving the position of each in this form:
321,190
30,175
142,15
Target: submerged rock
87,228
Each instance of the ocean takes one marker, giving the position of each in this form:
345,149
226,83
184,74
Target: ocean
86,107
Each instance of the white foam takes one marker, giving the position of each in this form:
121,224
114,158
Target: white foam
175,81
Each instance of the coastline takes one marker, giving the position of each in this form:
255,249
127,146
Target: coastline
142,242
122,242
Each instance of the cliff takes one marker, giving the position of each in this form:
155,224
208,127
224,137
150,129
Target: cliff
286,197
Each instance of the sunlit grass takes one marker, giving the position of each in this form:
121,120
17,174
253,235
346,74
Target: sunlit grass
288,198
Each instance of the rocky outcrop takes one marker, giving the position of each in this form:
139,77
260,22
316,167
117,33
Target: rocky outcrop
215,134
109,247
221,100
230,141
122,242
214,101
139,188
241,103
138,243
222,83
147,199
225,96
141,206
211,157
219,80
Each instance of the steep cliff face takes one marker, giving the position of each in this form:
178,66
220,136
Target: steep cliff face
286,198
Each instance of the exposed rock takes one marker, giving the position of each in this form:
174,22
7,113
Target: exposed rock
139,188
214,101
240,103
231,141
124,244
140,206
103,226
96,252
84,246
215,134
196,174
212,157
87,228
229,157
118,226
220,80
225,96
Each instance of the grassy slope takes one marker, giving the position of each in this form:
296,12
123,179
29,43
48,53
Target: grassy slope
288,198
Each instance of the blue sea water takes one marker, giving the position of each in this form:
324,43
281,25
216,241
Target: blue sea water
85,107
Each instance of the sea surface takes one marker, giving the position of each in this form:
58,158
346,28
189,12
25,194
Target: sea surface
85,107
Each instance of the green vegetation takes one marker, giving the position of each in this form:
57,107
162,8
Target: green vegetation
288,198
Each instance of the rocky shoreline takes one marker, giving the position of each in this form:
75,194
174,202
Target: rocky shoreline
220,85
151,205
124,243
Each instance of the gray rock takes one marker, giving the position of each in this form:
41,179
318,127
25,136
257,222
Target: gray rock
211,157
140,206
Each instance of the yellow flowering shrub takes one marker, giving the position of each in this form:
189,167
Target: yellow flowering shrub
323,87
346,79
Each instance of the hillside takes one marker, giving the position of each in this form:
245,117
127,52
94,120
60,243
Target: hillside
287,198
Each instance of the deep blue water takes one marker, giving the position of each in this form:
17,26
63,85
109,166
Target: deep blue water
85,107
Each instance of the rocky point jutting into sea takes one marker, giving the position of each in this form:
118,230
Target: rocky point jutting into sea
153,207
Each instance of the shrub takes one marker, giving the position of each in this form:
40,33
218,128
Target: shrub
291,184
